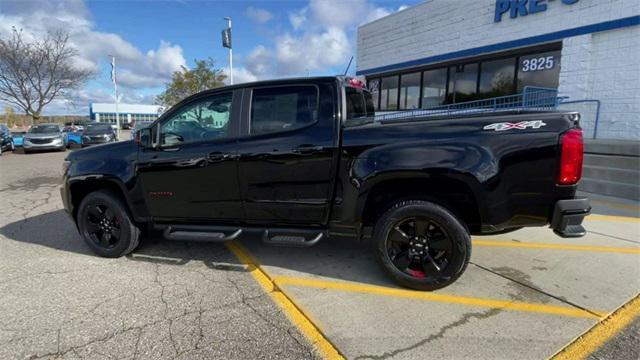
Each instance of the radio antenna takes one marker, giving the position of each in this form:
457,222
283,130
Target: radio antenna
348,66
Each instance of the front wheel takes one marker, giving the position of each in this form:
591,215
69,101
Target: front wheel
105,225
421,245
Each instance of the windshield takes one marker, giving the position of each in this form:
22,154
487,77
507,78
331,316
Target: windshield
98,127
41,129
359,103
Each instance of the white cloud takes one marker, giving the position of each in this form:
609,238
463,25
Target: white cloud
241,75
137,69
298,18
322,39
258,15
312,51
259,60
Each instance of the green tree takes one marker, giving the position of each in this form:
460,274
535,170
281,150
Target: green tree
187,82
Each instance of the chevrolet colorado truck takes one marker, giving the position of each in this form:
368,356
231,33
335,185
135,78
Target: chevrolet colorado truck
299,160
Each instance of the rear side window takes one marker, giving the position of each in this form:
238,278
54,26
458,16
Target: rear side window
359,103
283,108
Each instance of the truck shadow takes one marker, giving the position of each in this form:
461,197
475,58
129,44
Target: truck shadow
335,258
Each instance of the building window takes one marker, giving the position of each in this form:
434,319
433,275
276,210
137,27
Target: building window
496,77
434,87
374,87
389,93
410,91
463,81
541,70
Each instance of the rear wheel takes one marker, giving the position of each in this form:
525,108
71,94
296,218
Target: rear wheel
421,245
105,225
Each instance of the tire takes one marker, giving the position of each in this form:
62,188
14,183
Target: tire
436,249
102,210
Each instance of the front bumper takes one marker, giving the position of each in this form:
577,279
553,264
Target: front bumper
86,142
46,146
568,215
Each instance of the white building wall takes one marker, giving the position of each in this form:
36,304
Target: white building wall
438,27
603,65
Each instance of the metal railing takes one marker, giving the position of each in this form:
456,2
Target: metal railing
531,98
589,110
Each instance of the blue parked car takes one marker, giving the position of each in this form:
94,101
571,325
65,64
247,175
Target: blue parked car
17,138
74,138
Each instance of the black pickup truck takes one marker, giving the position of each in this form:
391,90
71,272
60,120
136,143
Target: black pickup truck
298,160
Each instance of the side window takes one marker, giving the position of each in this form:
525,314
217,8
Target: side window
283,108
205,119
359,103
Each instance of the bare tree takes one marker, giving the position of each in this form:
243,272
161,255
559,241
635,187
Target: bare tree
32,74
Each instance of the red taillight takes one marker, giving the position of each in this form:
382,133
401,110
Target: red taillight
571,157
356,83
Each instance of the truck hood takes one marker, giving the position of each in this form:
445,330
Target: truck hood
105,151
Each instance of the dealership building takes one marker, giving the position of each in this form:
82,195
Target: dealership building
585,53
106,113
450,51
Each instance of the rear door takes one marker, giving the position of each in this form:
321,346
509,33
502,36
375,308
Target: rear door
193,175
287,153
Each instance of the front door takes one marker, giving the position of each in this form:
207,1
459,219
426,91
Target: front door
287,152
192,174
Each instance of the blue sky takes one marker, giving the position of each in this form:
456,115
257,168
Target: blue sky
152,39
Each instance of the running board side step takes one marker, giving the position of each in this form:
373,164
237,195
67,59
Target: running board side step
200,236
291,237
295,237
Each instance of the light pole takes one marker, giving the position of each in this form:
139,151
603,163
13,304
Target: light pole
226,42
115,93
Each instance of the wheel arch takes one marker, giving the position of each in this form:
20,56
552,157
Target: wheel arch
79,188
456,193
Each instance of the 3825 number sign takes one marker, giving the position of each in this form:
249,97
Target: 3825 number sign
538,64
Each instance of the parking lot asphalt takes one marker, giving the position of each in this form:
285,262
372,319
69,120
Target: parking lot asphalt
526,294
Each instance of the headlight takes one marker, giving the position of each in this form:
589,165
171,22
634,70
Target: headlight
57,140
26,141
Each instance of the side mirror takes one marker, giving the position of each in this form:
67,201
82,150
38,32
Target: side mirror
143,137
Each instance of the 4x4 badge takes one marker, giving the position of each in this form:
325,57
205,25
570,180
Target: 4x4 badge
536,124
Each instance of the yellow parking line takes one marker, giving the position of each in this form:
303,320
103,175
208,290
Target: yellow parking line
293,312
587,343
597,217
556,246
430,296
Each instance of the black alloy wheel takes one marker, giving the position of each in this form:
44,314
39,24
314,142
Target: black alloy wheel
103,227
105,224
419,247
422,245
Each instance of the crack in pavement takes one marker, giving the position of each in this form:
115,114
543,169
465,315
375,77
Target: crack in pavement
464,319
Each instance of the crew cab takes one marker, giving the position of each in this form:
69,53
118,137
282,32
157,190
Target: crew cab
299,160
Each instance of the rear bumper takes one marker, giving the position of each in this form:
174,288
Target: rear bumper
568,215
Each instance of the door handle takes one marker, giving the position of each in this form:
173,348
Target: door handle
307,149
218,156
